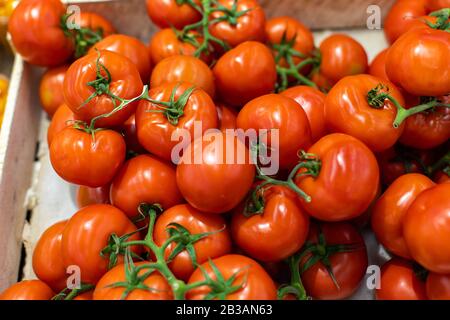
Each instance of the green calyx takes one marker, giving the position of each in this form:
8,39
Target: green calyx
70,294
230,15
116,248
442,22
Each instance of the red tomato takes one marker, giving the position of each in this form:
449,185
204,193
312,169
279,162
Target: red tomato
28,290
378,66
282,227
87,233
166,43
196,222
434,5
125,83
167,13
144,179
156,130
347,182
441,177
321,81
159,288
418,62
275,111
341,56
348,268
209,179
129,47
79,158
244,73
129,132
96,22
254,281
401,17
227,117
84,296
438,286
44,42
47,263
399,282
390,210
347,110
184,69
426,228
291,30
62,119
247,27
51,89
312,102
87,196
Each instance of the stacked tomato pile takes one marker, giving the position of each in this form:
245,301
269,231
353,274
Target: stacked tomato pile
147,133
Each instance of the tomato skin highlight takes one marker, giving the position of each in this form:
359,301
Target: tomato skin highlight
196,222
348,268
418,62
215,184
348,180
438,286
144,179
47,263
156,281
399,282
258,284
426,229
282,227
244,73
28,290
44,43
312,102
86,234
348,111
79,159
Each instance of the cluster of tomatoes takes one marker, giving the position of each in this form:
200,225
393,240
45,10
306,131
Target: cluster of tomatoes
356,145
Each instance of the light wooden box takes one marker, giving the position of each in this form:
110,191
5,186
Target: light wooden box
32,196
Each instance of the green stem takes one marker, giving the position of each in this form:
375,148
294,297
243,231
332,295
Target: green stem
403,113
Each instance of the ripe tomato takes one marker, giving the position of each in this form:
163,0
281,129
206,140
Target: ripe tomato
428,129
274,111
247,27
378,66
244,73
159,133
129,47
227,117
96,22
87,196
401,17
184,69
290,29
347,110
321,81
434,5
213,246
125,83
167,13
51,89
438,286
159,289
254,281
282,226
390,210
144,179
209,179
47,263
399,282
87,233
426,228
347,182
28,290
312,102
44,43
348,268
166,43
441,177
418,62
341,56
84,296
62,119
79,158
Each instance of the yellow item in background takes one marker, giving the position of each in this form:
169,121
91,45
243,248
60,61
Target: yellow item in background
6,7
4,83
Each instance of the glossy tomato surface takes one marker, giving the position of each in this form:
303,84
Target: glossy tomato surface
51,89
28,290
